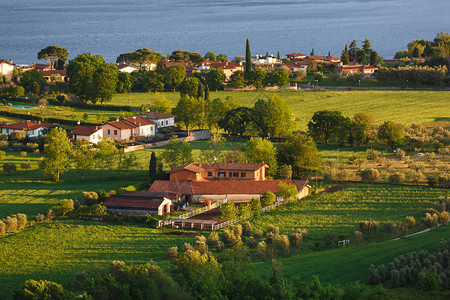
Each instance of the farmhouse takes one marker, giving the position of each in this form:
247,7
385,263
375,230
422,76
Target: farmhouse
144,126
218,171
32,129
228,67
92,134
162,120
124,68
140,203
237,191
296,55
55,75
120,130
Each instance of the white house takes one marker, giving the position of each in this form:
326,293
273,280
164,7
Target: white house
144,127
92,134
32,129
127,68
7,69
264,59
162,120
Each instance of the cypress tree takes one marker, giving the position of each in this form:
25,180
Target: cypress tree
206,92
415,52
248,58
329,53
278,55
152,166
374,58
267,53
312,51
345,58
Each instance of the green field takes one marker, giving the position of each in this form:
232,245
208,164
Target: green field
343,265
58,250
340,212
400,106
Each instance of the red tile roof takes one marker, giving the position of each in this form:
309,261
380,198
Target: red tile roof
332,58
226,65
186,64
157,115
222,187
139,121
41,67
53,72
296,54
121,125
85,130
165,186
200,167
26,125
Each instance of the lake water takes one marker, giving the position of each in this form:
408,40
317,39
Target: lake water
111,27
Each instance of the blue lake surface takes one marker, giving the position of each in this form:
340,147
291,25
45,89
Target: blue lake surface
111,27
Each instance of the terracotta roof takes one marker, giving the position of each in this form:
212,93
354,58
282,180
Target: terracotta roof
166,186
223,187
157,115
296,54
186,64
332,58
200,167
138,199
139,121
41,67
52,72
26,125
226,65
189,167
318,57
121,125
85,130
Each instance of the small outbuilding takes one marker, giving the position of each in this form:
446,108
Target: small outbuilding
140,203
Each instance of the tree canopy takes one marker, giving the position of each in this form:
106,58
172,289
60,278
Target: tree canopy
55,55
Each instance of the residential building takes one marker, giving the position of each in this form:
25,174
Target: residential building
127,68
228,67
366,71
92,134
120,130
55,75
189,67
32,129
144,126
264,59
161,119
7,69
296,55
219,171
141,203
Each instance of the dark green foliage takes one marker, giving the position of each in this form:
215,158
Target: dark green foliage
215,78
236,121
42,289
189,87
152,165
30,79
248,58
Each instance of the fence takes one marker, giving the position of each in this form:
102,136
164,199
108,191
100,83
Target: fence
199,210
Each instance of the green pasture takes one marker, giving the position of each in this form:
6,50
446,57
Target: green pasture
340,212
399,106
343,265
58,250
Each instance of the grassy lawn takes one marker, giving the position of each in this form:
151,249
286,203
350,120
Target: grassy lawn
400,106
58,250
340,212
350,264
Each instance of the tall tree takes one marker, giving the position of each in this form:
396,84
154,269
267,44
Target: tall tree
215,114
280,117
352,51
237,121
301,153
152,165
237,80
186,111
215,78
248,59
55,55
278,56
257,77
211,56
104,156
189,87
222,57
144,57
312,51
259,150
345,58
83,157
324,126
177,153
91,78
32,81
57,153
280,78
173,76
374,58
391,133
366,46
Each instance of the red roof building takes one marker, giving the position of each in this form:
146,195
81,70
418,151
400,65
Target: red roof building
91,134
32,129
140,203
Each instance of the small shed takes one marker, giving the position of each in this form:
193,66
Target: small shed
140,203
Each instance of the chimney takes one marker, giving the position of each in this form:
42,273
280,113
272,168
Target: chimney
96,127
262,162
10,61
246,162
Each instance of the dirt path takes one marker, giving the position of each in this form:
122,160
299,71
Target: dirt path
415,233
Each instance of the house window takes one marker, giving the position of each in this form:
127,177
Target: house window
167,122
209,174
234,174
222,174
243,174
109,131
115,132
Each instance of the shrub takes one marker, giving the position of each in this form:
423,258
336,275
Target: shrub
3,137
273,229
444,181
268,198
370,176
31,147
18,135
372,154
262,246
255,206
430,220
25,165
116,266
244,210
9,168
237,230
129,188
23,153
258,234
229,238
432,181
11,224
228,211
200,244
410,221
247,228
65,206
282,243
390,227
374,276
368,227
444,217
89,198
296,239
2,228
430,280
102,195
213,239
21,221
401,153
303,232
329,240
40,218
346,175
251,242
4,145
396,178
